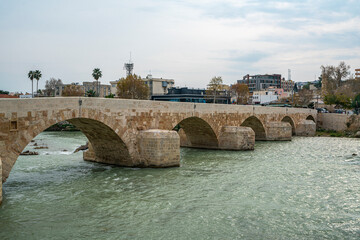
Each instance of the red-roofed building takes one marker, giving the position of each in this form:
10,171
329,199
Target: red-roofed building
7,96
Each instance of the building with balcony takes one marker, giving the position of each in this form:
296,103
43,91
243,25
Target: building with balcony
261,82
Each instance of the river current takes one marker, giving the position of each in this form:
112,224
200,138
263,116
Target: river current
307,188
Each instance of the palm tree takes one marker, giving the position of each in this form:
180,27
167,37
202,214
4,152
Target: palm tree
37,76
96,75
31,75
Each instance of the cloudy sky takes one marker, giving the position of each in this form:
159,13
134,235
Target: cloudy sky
186,40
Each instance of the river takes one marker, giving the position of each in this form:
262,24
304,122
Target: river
307,188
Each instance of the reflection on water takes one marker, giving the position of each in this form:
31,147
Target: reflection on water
308,188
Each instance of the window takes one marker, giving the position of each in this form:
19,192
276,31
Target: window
13,125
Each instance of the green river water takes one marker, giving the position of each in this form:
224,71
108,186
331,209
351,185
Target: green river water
308,188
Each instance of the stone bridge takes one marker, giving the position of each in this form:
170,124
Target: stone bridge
141,133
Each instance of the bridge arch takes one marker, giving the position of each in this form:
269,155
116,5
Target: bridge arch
198,133
106,144
256,125
310,117
289,120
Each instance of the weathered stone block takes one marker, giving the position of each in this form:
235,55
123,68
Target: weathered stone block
279,131
306,128
159,148
236,138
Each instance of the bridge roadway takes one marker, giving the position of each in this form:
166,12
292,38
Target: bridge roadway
141,133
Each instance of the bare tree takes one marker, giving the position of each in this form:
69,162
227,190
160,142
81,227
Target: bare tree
215,85
332,77
73,90
242,93
50,86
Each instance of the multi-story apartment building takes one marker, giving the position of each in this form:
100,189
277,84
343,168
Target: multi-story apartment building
158,86
261,82
287,85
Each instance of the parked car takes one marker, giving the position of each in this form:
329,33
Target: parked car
340,111
322,110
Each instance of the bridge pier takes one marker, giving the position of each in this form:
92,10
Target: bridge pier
306,128
236,138
156,148
279,131
159,148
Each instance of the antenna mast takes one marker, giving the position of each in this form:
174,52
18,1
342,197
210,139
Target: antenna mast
129,67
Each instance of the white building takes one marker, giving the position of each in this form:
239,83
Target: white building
262,97
158,86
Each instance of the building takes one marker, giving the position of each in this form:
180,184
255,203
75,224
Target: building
264,97
59,88
287,85
113,87
261,82
357,74
192,95
8,96
182,95
104,89
158,86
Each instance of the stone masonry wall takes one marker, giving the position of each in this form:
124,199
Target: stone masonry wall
338,122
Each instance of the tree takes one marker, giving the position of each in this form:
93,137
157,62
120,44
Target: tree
356,103
330,99
132,87
4,92
215,85
318,83
340,100
37,76
90,93
307,86
305,96
31,75
50,86
242,93
96,75
332,77
73,90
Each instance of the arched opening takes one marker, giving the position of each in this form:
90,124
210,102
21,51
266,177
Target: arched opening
197,133
108,147
257,126
289,120
310,117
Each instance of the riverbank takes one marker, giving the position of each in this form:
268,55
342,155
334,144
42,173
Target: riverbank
333,133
